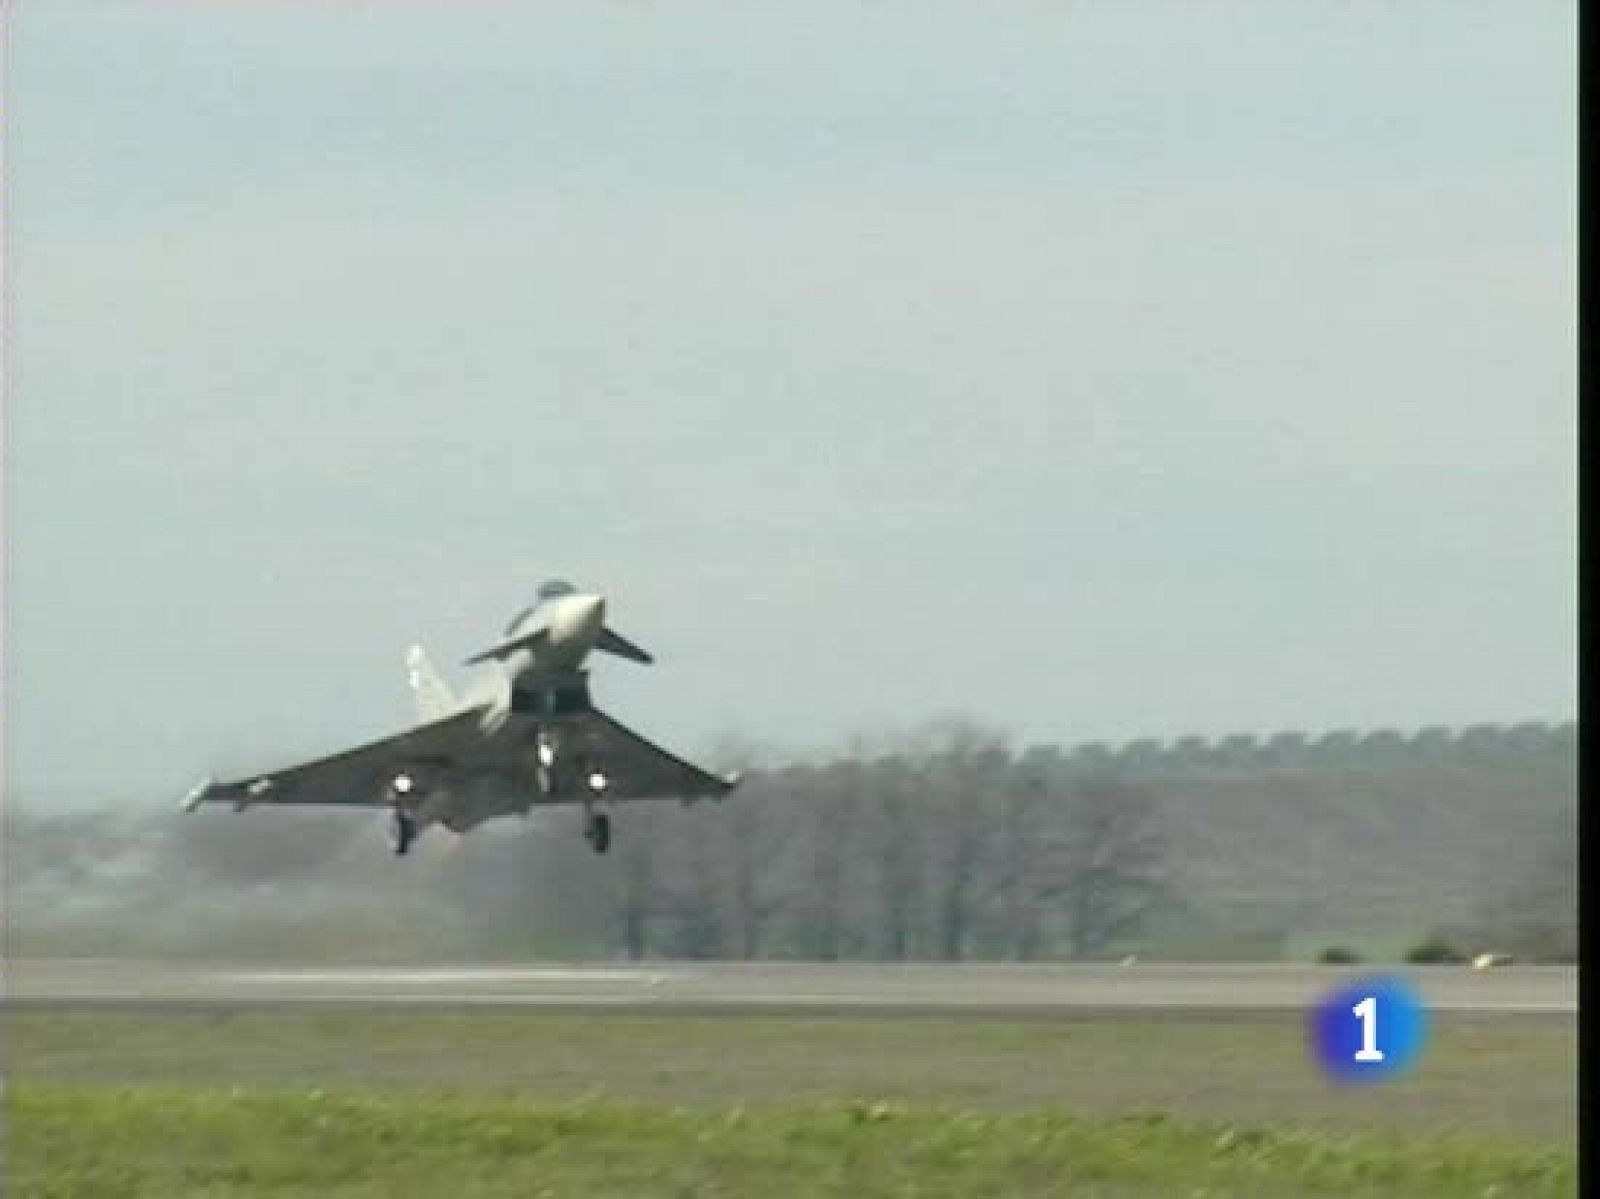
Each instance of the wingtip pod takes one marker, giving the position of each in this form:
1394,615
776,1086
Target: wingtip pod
198,793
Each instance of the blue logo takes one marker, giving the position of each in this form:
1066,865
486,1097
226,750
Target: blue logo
1368,1030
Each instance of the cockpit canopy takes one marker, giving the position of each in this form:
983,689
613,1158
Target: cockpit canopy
548,590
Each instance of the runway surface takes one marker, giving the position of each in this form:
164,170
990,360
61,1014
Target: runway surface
781,987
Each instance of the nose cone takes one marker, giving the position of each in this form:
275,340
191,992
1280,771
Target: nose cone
580,618
591,612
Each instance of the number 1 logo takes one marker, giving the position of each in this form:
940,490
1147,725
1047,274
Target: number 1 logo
1367,1012
1368,1029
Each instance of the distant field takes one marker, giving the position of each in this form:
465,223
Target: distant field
1512,1076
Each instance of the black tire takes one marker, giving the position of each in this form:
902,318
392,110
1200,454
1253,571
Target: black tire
403,833
598,830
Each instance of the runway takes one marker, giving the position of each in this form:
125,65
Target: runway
772,988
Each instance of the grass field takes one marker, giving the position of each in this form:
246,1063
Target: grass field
301,1101
138,1143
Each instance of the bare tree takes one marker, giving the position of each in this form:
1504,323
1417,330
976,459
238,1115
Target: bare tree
894,854
1022,847
960,779
828,802
753,849
694,883
638,897
750,829
1110,875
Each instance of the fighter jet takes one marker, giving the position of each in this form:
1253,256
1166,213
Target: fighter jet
526,734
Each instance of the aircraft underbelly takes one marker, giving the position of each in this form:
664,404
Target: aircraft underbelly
469,803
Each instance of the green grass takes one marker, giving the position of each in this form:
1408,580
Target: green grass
88,1142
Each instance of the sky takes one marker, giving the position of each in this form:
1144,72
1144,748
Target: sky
1092,371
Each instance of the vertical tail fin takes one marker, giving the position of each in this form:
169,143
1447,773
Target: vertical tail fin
433,695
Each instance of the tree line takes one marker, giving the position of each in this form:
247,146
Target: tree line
948,845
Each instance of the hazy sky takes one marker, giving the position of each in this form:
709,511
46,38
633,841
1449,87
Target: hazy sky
1096,370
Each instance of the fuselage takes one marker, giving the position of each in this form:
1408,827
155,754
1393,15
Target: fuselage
544,675
570,623
538,664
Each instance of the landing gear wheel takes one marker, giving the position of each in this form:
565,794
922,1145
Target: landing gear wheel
597,828
402,831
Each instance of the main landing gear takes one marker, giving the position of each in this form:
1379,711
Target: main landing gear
402,820
596,824
402,831
595,784
597,830
544,772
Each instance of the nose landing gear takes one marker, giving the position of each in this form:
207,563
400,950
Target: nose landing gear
544,771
